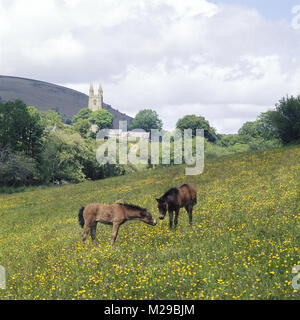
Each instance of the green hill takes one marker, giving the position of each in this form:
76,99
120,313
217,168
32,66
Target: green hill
243,245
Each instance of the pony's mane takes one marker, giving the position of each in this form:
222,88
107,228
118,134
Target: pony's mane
170,192
132,207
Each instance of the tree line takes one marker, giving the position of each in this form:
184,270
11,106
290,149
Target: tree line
44,147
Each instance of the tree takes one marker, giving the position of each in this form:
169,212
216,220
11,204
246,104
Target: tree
63,157
69,157
285,119
261,128
33,144
249,128
197,122
52,119
84,113
230,140
82,126
146,119
21,128
102,118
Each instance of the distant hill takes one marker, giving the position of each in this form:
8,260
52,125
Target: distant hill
45,96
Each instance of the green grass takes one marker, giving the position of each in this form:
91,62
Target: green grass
243,245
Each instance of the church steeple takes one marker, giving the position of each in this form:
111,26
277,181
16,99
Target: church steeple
91,90
95,101
100,90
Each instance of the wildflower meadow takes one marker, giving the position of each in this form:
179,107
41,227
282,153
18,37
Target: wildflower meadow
243,244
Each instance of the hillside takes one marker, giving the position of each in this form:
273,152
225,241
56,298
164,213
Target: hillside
45,96
243,245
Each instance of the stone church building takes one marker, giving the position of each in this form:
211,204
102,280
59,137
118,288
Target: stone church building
95,101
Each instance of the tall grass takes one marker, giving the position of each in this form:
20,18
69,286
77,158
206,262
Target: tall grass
243,245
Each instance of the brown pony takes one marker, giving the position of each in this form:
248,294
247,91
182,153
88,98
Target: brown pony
176,198
113,214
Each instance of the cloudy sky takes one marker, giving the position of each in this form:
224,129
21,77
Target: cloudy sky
227,60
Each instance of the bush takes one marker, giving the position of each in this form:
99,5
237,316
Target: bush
69,157
246,142
17,169
62,157
285,119
83,127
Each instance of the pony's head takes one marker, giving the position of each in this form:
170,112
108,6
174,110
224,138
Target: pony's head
162,207
147,218
141,213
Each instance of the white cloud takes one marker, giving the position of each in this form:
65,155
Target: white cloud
179,57
46,52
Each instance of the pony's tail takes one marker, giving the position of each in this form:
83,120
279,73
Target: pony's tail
80,217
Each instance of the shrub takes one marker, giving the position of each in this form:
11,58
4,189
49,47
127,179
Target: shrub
285,119
17,169
62,158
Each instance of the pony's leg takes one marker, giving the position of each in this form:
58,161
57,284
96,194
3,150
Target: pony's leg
116,226
93,233
170,218
176,217
87,227
189,210
85,233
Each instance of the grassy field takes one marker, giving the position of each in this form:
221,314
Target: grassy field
243,245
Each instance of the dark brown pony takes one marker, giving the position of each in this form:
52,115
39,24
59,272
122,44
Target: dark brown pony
113,214
176,198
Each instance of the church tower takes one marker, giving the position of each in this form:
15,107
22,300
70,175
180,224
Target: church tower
95,101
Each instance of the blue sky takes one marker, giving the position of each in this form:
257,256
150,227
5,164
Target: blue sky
270,9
